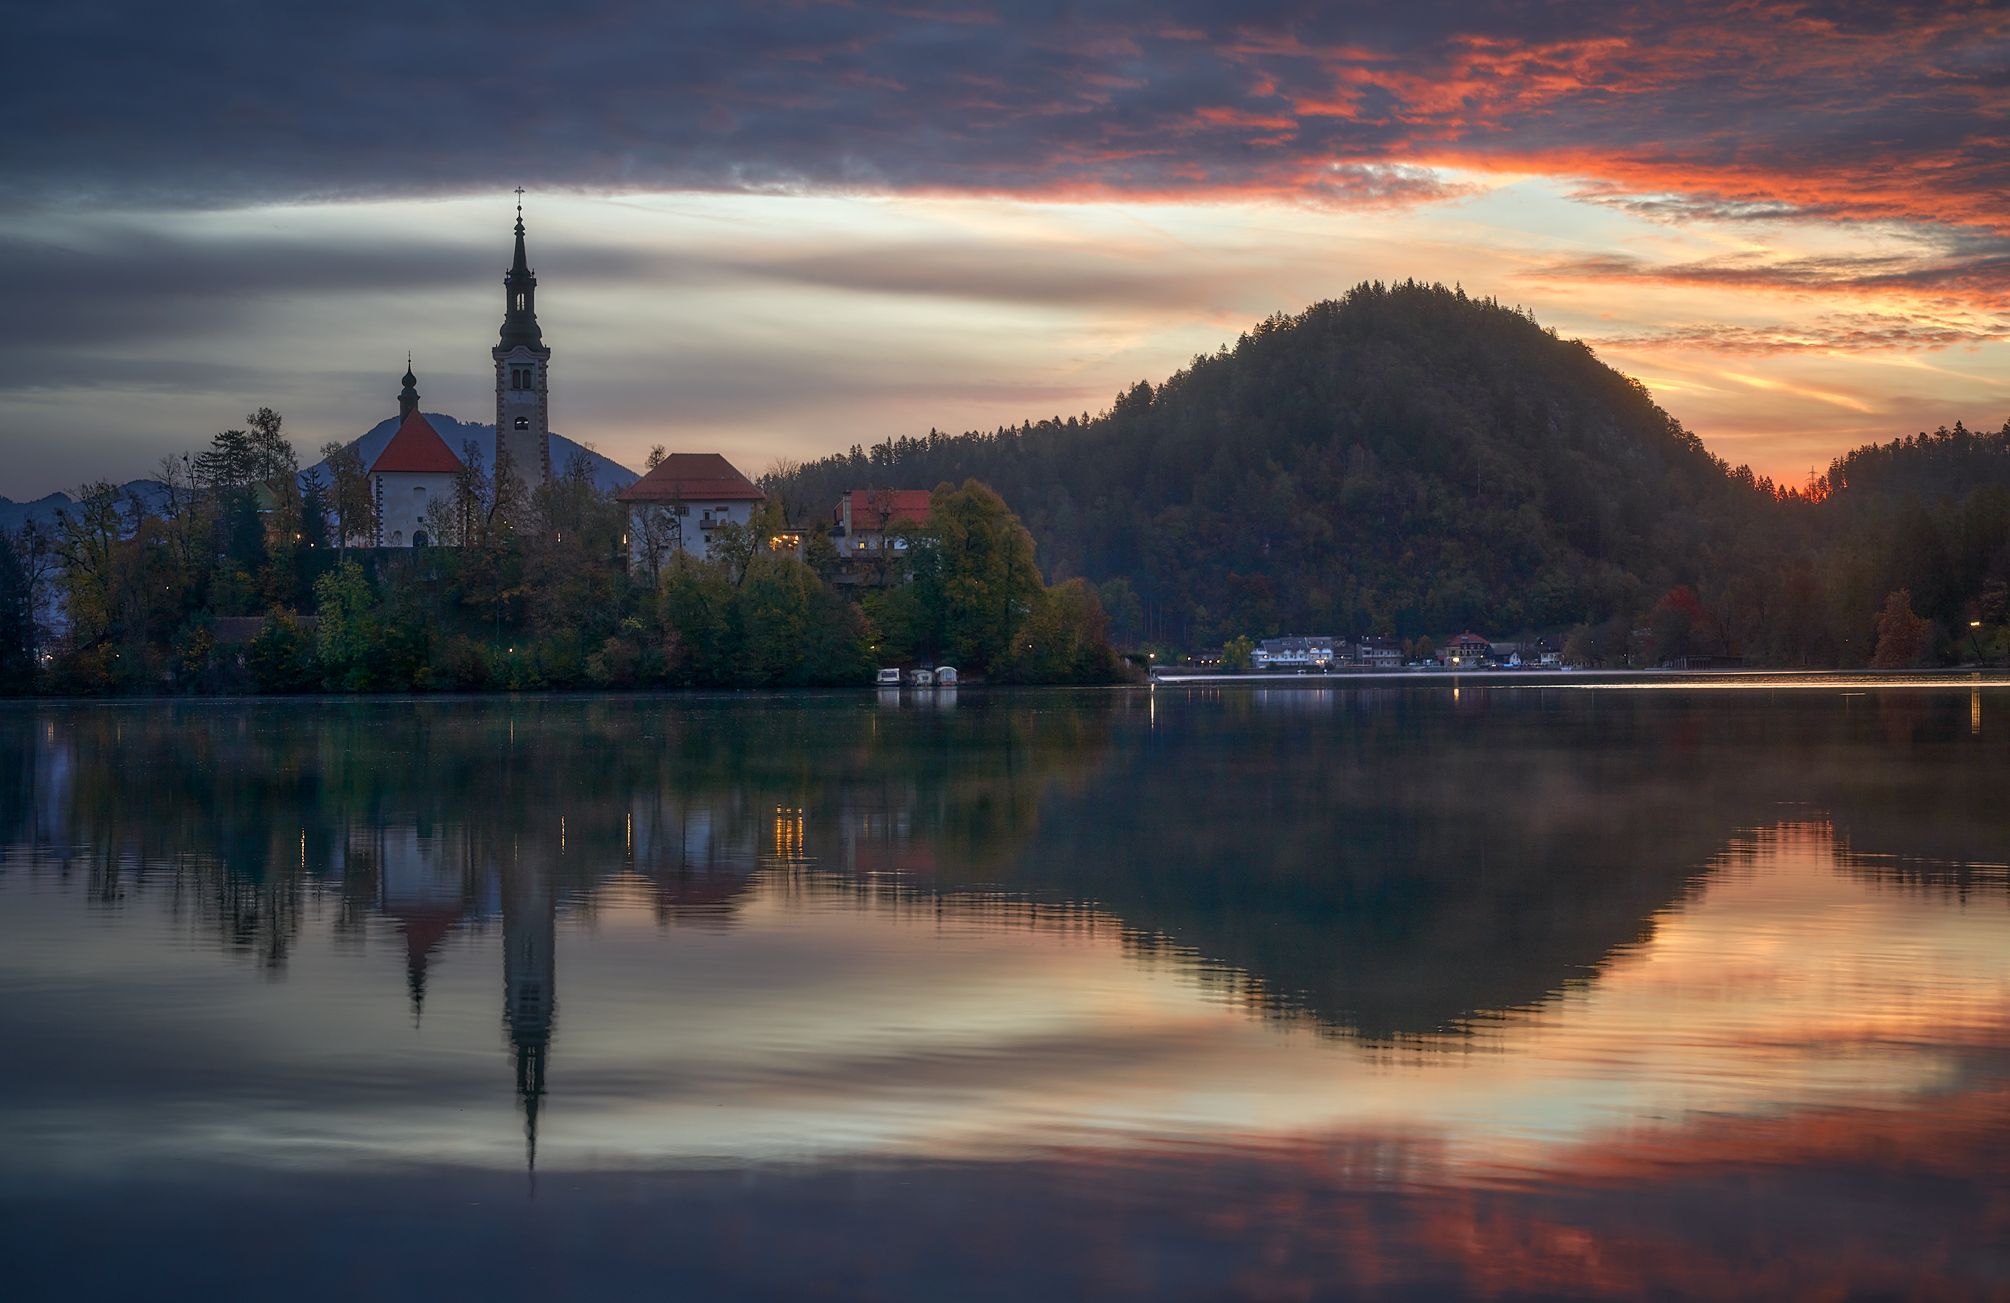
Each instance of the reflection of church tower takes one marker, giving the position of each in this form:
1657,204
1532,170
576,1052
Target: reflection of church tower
522,413
529,984
419,887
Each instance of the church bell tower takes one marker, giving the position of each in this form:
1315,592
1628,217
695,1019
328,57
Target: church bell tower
522,372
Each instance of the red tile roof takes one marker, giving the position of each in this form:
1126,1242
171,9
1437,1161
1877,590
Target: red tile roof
692,477
417,447
897,506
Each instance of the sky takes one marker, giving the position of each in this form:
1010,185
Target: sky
774,230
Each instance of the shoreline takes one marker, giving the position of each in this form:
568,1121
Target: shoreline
1970,677
1748,678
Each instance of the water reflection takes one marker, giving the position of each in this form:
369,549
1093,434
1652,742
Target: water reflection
1503,984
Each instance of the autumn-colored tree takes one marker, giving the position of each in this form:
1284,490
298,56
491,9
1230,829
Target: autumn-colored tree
1065,640
1902,637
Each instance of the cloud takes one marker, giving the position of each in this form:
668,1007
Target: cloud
1763,108
1832,333
1969,270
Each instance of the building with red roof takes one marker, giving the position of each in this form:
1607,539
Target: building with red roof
415,469
681,504
1466,651
866,517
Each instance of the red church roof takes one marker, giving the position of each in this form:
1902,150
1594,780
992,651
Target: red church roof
692,477
417,448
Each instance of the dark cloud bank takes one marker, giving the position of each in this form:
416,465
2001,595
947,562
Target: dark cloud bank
1762,109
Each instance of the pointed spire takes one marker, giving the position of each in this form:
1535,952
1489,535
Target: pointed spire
415,986
520,267
520,294
408,397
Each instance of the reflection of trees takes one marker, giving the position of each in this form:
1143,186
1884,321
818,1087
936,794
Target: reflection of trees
1395,866
1387,861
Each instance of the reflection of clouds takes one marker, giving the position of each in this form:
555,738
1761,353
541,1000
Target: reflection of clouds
933,1029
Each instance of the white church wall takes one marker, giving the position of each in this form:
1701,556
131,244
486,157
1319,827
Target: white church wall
402,499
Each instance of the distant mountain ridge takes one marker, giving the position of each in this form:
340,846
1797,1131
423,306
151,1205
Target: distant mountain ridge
608,474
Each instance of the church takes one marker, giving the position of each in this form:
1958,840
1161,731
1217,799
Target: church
417,467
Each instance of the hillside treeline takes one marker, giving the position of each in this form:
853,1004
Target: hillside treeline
229,574
1411,461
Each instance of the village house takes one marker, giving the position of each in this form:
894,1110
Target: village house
1314,653
868,522
1379,654
682,504
1467,651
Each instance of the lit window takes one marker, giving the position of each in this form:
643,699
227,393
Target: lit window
523,422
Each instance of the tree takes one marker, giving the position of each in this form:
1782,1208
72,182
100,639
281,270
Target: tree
86,544
657,532
349,497
184,513
462,518
1236,654
346,634
783,483
1126,612
988,580
35,550
281,656
698,618
17,621
229,462
1065,640
1902,637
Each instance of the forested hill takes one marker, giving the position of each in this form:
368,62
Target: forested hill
1943,465
1404,458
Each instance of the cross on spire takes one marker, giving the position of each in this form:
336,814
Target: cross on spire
519,205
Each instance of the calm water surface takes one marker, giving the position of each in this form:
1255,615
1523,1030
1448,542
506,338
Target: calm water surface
1391,992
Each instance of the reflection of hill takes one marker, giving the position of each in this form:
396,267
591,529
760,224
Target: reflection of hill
1397,863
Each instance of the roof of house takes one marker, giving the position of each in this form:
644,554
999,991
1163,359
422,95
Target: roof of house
1469,639
692,477
416,448
898,506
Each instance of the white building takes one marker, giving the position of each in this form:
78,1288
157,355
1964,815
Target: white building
415,470
680,506
1293,654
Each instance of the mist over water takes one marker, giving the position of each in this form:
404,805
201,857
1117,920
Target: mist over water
1391,991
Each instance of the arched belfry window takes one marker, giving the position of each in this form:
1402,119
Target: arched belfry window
520,302
523,422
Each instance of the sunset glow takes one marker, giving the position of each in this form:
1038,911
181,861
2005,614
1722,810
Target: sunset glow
1785,219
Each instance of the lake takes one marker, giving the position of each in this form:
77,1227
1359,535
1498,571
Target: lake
1413,990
